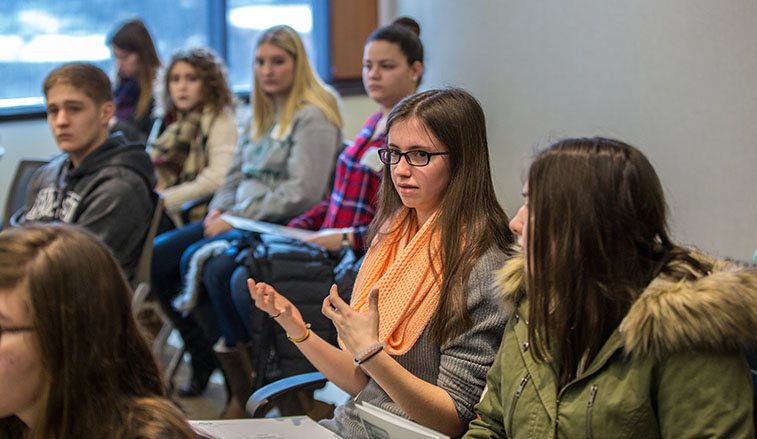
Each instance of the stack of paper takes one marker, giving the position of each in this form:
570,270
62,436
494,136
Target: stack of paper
264,227
381,424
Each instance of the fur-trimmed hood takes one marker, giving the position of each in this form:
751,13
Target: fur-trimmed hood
715,312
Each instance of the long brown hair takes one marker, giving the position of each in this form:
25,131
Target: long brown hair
155,418
470,221
133,36
211,70
597,235
307,87
94,357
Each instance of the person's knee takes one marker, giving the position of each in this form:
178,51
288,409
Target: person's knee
217,272
169,247
239,292
162,261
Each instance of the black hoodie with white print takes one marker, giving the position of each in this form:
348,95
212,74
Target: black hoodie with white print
110,194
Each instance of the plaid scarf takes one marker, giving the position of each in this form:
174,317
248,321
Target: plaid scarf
175,152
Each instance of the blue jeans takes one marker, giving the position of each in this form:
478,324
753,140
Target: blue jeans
172,252
167,257
226,284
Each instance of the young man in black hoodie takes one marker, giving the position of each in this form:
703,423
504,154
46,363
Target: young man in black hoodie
100,182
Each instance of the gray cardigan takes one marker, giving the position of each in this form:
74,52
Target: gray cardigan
277,179
459,366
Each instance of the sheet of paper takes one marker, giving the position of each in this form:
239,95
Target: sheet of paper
264,227
266,428
380,424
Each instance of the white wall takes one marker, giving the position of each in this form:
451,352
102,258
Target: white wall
29,139
676,78
355,110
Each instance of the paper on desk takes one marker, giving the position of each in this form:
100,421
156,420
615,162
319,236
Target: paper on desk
266,428
238,222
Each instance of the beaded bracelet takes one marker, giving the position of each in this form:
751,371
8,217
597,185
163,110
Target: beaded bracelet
369,352
303,338
364,359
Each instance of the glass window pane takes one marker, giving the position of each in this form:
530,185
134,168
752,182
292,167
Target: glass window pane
38,35
247,18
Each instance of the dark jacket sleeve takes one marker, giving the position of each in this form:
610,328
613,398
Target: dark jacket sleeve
38,181
119,211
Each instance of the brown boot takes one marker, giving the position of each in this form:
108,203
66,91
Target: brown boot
236,365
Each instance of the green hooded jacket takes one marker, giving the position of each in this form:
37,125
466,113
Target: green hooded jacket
672,369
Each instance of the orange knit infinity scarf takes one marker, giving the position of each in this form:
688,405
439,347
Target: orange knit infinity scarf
408,290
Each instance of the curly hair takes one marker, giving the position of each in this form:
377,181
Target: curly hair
211,70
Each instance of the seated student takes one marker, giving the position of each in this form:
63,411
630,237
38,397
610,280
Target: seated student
423,325
615,331
392,68
280,168
138,64
198,132
100,182
73,363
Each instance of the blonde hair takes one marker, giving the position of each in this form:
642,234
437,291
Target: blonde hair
307,87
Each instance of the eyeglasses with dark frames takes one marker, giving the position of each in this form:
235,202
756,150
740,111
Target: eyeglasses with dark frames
415,157
16,329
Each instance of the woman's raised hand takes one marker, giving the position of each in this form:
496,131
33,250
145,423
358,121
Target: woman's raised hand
278,307
358,330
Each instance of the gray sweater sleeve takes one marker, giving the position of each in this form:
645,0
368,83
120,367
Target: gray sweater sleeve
466,359
315,142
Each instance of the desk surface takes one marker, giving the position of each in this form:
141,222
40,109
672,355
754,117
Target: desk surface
268,428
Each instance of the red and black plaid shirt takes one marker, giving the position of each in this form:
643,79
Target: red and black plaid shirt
352,203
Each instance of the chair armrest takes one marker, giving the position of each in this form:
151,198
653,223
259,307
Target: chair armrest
187,207
15,219
258,402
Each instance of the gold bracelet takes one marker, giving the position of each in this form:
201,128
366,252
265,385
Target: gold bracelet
303,338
